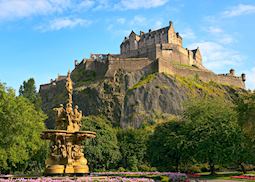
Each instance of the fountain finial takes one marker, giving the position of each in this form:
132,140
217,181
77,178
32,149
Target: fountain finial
69,88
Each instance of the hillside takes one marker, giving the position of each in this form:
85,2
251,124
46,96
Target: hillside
130,99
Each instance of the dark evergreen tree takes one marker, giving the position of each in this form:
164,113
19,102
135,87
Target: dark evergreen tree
28,90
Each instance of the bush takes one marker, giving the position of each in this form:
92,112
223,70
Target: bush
195,169
121,169
146,168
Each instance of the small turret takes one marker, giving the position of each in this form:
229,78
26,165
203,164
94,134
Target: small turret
232,72
75,63
243,77
170,23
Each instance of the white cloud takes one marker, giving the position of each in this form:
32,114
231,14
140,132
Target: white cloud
188,34
138,21
84,5
12,9
241,9
250,83
218,57
157,25
219,35
226,39
137,4
214,30
122,27
121,20
61,23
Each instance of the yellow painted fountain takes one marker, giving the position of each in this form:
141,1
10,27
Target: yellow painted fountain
66,151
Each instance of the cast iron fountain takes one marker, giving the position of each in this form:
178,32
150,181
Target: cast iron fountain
66,155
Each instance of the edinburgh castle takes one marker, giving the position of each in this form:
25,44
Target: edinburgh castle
159,51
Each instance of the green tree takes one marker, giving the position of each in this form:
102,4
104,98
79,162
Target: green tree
246,119
246,113
133,147
168,146
103,151
243,152
28,90
20,128
213,130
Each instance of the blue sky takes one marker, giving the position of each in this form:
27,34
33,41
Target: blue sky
42,38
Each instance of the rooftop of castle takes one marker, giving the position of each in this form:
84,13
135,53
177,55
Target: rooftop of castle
152,33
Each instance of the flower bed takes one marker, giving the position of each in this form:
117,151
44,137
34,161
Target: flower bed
244,177
82,179
175,177
106,176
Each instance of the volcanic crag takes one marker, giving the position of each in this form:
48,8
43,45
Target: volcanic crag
151,77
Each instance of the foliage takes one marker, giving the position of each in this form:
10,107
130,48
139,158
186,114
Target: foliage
246,112
168,146
103,151
197,87
143,81
133,146
211,125
81,76
246,119
28,90
20,128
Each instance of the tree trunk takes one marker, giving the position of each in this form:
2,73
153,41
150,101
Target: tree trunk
243,168
177,167
177,161
212,168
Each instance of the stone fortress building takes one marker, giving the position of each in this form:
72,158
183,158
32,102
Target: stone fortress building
155,51
164,43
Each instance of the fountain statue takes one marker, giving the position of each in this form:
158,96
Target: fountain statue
66,151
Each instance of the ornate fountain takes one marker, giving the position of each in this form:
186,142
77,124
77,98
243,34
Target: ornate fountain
66,151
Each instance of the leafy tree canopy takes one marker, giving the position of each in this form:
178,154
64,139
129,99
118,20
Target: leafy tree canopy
103,151
213,128
133,147
246,113
168,146
20,128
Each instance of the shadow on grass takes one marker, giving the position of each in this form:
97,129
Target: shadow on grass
219,175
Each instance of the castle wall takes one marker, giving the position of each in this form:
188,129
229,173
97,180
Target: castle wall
99,67
165,66
129,65
171,52
174,54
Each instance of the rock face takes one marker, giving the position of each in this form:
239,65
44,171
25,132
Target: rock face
131,99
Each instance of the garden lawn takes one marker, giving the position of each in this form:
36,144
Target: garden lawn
223,176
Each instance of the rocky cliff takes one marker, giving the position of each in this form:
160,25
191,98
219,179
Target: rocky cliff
131,99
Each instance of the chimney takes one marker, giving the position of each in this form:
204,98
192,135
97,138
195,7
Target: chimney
75,63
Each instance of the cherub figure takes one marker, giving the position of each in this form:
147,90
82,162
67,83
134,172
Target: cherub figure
60,116
77,114
69,112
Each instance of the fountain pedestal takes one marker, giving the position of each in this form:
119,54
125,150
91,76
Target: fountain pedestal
66,153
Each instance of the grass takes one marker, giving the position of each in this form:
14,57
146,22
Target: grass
178,65
195,85
222,176
143,81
